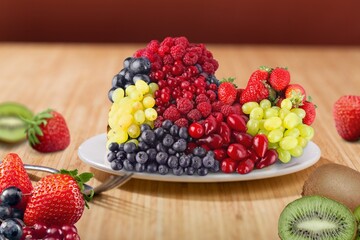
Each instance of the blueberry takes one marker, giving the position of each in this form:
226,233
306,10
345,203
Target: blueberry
110,93
131,157
116,165
122,72
121,155
162,157
184,161
171,151
178,171
113,147
189,170
121,147
196,162
111,156
140,167
199,151
128,165
129,147
142,157
168,140
17,213
183,133
148,136
202,171
11,229
161,148
163,169
143,146
174,130
152,168
143,77
118,81
173,162
210,154
5,211
208,161
167,124
128,77
151,152
144,127
216,167
178,154
11,196
127,61
140,65
159,132
180,145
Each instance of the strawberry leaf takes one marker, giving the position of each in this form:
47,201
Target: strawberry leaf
34,126
230,80
85,177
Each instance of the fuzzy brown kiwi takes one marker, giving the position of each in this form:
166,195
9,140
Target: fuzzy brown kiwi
335,181
316,218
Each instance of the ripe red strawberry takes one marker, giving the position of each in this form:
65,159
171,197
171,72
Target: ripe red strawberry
48,132
296,93
227,91
13,173
279,78
57,199
260,75
254,92
346,114
310,111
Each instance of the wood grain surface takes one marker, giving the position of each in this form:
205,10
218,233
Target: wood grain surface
74,80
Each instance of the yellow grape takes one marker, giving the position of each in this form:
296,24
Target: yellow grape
136,95
149,102
125,121
139,117
134,131
283,113
137,106
288,143
296,151
130,89
150,114
284,156
299,111
271,112
265,103
302,142
272,123
291,120
295,132
286,103
249,106
275,135
252,126
142,86
153,87
257,113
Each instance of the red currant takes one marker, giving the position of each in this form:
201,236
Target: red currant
159,75
196,130
185,84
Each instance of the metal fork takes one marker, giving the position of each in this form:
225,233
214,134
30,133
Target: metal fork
110,183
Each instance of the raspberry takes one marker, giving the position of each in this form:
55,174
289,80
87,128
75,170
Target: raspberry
190,58
216,106
196,50
168,60
182,122
237,109
177,51
204,108
168,41
155,66
211,94
149,55
139,52
201,98
172,113
194,115
182,41
158,121
153,46
215,64
163,50
208,68
184,105
226,110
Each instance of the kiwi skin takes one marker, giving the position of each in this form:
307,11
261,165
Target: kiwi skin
336,182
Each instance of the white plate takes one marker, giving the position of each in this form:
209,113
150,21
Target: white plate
93,152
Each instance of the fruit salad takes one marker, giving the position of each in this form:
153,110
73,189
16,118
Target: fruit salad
171,115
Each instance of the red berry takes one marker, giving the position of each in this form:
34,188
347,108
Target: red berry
212,95
227,93
188,95
218,116
182,122
204,108
310,111
201,98
245,166
190,58
236,122
220,154
171,113
228,165
225,132
216,106
185,84
194,115
260,144
210,125
184,105
177,52
165,97
226,110
279,78
196,130
237,151
214,141
243,138
270,158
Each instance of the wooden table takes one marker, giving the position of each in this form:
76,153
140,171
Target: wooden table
74,79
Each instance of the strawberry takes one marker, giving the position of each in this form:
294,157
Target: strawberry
57,199
279,78
13,174
296,93
310,111
48,132
260,74
346,113
255,92
227,91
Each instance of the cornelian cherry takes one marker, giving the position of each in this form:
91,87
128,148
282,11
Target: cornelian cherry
196,130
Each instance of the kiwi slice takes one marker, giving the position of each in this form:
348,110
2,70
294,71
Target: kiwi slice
357,217
12,125
315,217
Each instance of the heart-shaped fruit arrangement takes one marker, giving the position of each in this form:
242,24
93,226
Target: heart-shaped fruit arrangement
47,211
169,113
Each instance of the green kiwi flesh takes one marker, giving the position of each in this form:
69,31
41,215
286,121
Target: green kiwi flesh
12,126
357,217
316,218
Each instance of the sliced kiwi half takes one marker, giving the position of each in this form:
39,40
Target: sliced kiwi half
12,125
316,218
357,217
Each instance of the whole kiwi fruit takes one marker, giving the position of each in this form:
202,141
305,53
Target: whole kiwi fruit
335,181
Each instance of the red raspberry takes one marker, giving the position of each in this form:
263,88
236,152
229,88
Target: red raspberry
156,66
172,113
149,55
182,41
208,54
204,108
194,115
168,41
208,68
184,105
211,94
168,60
190,58
163,50
139,52
237,108
226,110
196,50
201,98
215,64
182,122
153,46
158,121
216,106
177,52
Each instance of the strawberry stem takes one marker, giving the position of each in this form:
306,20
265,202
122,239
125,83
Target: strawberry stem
230,80
34,129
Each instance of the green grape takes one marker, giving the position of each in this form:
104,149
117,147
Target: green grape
130,89
148,102
261,124
137,106
265,103
121,136
299,111
284,156
272,123
295,132
302,142
125,121
286,103
249,106
139,117
273,145
275,135
291,120
150,123
134,131
150,114
296,151
288,143
252,126
118,94
306,131
153,87
125,105
142,86
263,131
136,95
271,112
257,113
112,121
283,113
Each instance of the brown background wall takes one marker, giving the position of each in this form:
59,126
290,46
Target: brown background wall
212,21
